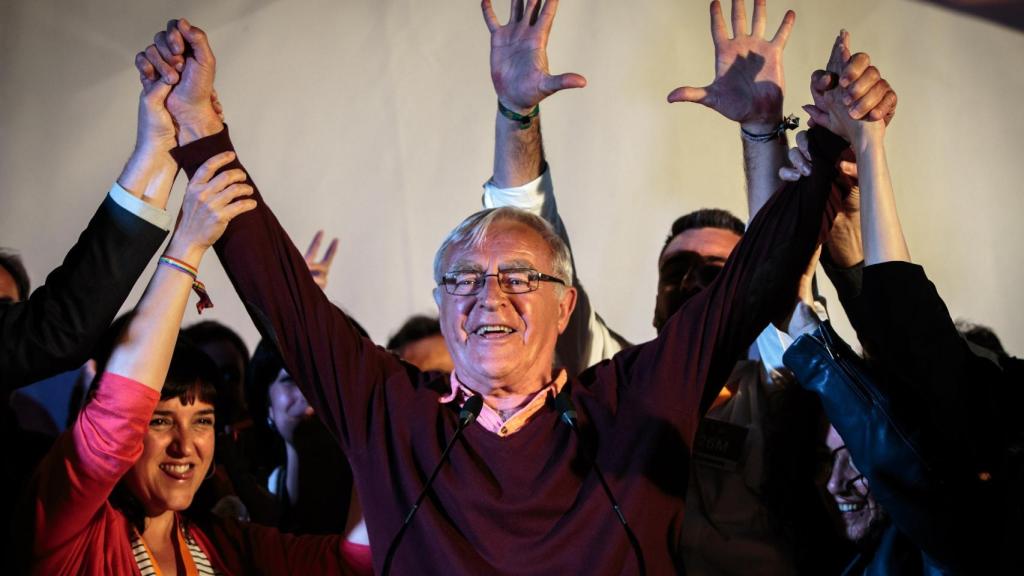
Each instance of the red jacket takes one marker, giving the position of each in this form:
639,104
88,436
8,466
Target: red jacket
78,531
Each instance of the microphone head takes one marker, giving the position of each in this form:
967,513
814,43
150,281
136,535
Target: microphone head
470,410
565,407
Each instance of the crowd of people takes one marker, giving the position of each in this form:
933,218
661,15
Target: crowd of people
516,432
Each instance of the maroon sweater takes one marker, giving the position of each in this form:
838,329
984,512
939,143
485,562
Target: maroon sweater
527,503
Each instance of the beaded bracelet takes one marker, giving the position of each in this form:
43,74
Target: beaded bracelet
790,122
197,286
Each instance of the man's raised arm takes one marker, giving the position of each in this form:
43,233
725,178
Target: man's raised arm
334,366
56,328
519,71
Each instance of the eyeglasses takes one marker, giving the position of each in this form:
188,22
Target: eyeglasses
512,281
690,269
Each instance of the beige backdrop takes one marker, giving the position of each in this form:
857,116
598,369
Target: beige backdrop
373,120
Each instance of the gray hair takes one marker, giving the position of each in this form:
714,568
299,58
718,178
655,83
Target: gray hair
472,231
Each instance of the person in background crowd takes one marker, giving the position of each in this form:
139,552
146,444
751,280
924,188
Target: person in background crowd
956,507
229,352
419,342
14,282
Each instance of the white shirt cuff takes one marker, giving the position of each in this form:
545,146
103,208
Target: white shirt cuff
155,216
529,196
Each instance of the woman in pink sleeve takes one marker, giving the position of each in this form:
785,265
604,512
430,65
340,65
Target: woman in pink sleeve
110,495
109,492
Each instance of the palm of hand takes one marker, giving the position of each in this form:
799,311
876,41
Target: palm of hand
518,69
749,82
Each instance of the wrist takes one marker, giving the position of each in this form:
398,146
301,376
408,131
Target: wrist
762,125
522,111
767,132
188,252
148,175
869,138
200,125
522,120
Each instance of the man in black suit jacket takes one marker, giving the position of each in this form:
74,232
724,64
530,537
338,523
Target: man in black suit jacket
56,328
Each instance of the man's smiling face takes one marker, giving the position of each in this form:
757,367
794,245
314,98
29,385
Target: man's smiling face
498,341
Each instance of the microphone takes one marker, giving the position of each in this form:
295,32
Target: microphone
567,412
470,410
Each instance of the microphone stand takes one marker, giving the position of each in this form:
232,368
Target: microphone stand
470,410
568,414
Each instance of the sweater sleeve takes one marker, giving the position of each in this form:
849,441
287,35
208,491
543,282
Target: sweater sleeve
85,464
700,344
338,370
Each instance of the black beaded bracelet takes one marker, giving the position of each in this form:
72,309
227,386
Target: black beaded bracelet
790,122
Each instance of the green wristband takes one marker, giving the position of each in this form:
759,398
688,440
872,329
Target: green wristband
524,121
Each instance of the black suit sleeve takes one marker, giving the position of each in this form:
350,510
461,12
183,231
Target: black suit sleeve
56,328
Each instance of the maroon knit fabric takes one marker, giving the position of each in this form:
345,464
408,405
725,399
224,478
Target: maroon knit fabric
527,503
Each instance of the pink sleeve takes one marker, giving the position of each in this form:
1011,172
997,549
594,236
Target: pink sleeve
86,463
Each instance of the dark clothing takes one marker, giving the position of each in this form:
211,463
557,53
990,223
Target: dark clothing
526,503
56,328
958,410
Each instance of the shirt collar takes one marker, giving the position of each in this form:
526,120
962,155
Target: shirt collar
489,417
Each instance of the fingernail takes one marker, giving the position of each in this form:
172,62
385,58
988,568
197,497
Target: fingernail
179,66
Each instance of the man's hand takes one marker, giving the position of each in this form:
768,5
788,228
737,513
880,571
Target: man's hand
320,268
182,53
150,171
749,82
519,58
156,127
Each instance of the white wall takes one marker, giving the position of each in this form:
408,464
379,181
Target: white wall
373,119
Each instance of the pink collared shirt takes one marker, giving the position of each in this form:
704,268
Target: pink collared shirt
489,417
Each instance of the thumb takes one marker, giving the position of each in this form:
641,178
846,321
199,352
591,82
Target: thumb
689,94
156,93
552,84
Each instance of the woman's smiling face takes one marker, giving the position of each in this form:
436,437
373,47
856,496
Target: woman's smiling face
176,456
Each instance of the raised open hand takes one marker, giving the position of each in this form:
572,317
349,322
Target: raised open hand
519,57
321,268
749,82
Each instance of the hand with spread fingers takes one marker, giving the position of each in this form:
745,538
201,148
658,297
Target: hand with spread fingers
519,58
321,268
749,82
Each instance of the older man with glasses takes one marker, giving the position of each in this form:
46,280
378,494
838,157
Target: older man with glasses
556,467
